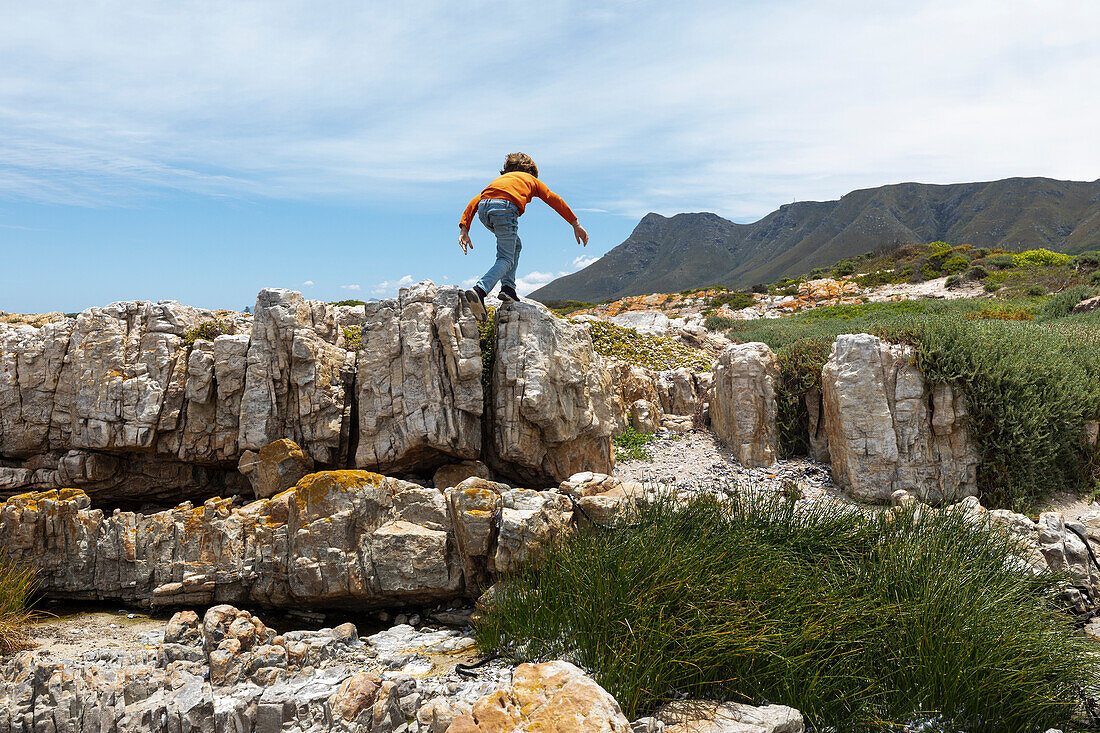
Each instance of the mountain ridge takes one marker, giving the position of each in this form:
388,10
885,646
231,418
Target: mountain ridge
689,250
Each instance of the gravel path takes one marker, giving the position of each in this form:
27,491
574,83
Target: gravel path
695,461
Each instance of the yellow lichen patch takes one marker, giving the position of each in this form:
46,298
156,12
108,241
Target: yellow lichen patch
317,488
280,450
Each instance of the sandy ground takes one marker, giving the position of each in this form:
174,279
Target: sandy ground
936,288
74,631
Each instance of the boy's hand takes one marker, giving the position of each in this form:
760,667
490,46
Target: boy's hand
464,239
580,234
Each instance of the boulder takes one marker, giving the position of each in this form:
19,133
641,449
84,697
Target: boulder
742,403
707,716
549,696
529,520
419,386
551,399
1088,305
644,417
679,395
453,474
277,467
887,429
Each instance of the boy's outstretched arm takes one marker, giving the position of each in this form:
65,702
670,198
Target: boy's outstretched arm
464,224
557,203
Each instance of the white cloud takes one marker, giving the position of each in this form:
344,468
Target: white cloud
534,280
580,262
349,287
733,107
307,284
390,287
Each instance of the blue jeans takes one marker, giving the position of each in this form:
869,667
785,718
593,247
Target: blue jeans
501,217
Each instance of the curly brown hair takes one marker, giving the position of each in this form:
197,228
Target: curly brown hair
520,162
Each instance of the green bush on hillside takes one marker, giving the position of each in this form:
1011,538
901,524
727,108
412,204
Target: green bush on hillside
734,301
717,323
1062,303
348,302
208,331
860,621
1040,258
940,247
977,272
955,264
1001,261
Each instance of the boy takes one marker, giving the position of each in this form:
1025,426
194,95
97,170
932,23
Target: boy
499,207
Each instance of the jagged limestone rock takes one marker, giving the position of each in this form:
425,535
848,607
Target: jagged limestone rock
551,399
888,430
742,403
277,467
419,387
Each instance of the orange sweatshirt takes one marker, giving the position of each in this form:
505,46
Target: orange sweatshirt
519,188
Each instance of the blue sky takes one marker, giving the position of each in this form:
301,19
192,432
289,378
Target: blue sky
199,151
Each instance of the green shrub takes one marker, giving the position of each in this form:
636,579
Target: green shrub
818,272
734,301
873,279
760,288
1061,304
653,352
861,621
630,445
991,286
208,331
952,281
928,271
1039,258
940,247
348,302
717,323
566,307
353,338
955,264
1095,279
486,334
1001,261
800,366
844,267
1087,261
977,272
982,252
1036,291
17,588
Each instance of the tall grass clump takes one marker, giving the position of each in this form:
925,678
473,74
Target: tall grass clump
17,586
860,621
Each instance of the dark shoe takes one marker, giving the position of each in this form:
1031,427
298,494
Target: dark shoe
475,298
508,295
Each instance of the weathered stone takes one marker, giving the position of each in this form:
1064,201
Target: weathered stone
742,403
644,417
819,438
420,393
528,521
453,474
678,392
551,412
706,716
277,467
550,696
1088,305
604,500
888,430
475,506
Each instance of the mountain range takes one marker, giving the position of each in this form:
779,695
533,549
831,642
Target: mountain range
668,254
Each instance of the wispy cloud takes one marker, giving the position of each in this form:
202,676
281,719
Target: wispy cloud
307,284
734,107
582,261
390,287
350,287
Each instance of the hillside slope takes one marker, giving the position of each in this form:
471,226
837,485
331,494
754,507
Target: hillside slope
694,250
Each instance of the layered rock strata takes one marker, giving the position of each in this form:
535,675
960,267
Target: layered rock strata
121,403
742,403
551,405
888,429
339,538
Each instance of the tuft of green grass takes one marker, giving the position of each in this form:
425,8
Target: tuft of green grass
208,331
348,302
486,335
17,588
630,445
860,621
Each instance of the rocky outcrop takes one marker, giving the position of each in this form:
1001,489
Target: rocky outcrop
742,403
278,466
547,696
708,716
420,391
339,538
145,404
551,409
888,430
